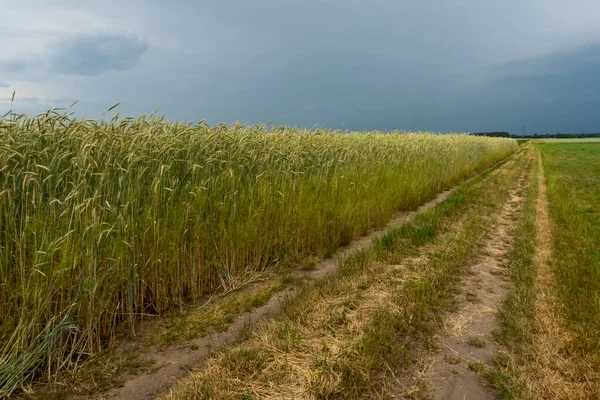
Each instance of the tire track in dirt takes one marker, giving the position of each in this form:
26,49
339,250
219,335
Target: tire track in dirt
467,338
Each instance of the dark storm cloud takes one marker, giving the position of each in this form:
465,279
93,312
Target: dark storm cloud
563,75
386,65
359,67
556,92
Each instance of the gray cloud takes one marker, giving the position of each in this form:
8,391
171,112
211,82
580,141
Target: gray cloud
27,105
4,85
14,66
26,68
85,55
95,54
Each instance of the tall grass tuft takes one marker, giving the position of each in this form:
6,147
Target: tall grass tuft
103,222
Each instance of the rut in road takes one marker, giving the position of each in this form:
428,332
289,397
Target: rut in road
467,339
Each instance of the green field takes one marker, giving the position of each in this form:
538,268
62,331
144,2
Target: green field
573,178
575,140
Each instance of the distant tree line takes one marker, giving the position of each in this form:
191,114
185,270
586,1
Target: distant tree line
539,136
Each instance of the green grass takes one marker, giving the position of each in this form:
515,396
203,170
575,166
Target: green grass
572,173
104,222
195,322
574,140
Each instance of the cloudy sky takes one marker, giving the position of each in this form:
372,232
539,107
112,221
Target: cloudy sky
444,65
